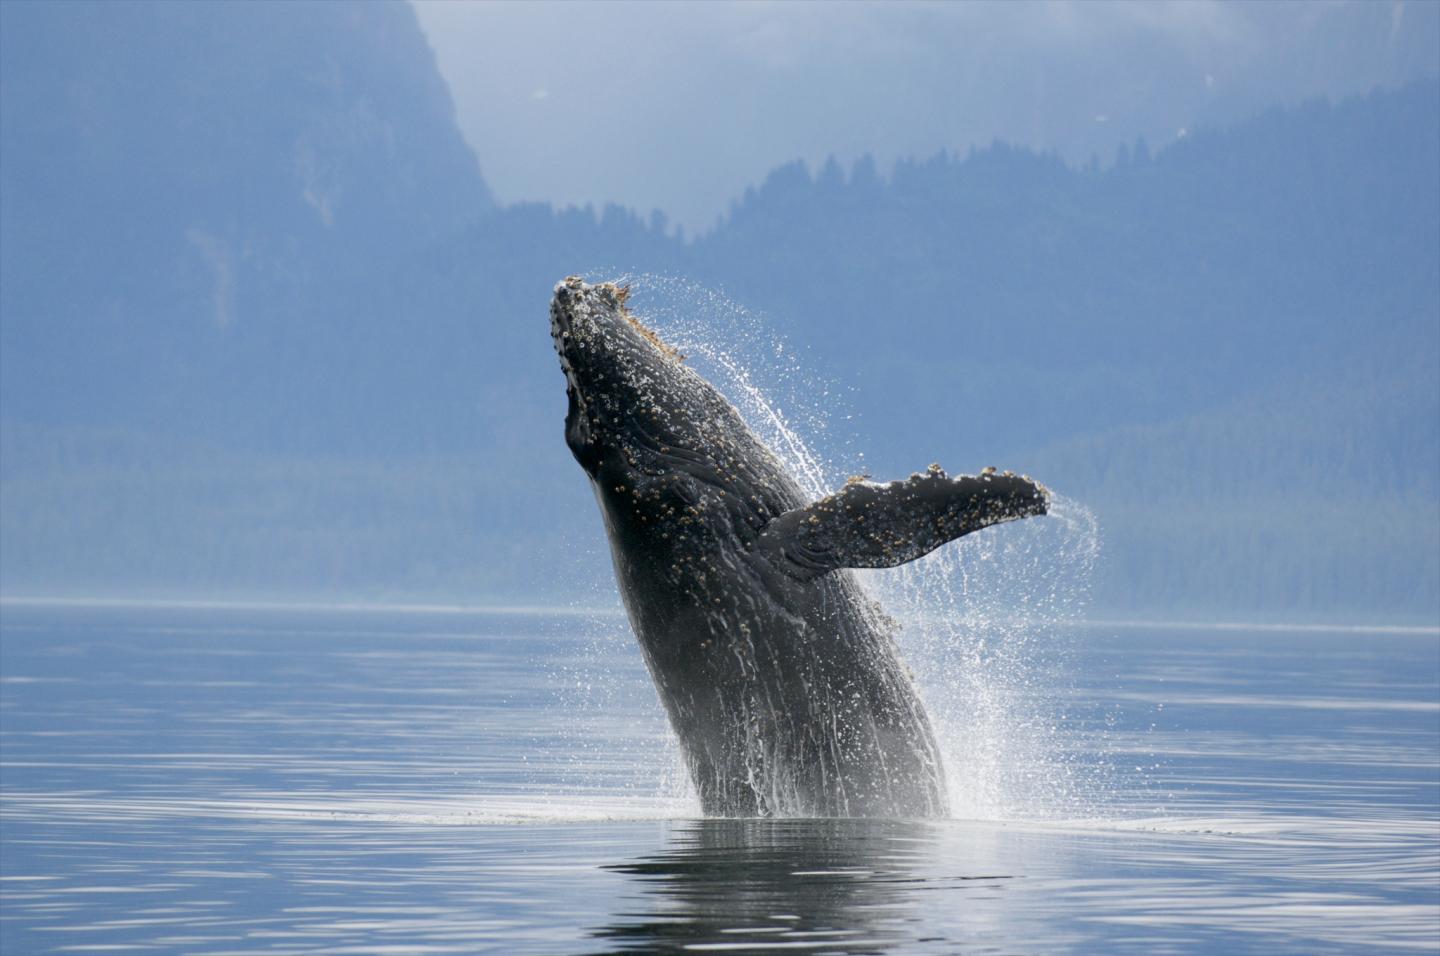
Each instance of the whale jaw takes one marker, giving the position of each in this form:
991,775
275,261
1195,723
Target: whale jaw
613,364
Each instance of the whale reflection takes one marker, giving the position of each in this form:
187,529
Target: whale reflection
823,885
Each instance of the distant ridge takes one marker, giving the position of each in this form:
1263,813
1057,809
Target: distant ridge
262,329
192,192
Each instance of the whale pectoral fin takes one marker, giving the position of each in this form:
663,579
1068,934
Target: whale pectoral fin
867,525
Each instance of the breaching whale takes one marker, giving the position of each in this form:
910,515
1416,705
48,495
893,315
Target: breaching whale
780,677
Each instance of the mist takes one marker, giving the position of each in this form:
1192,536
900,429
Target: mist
273,314
1051,563
680,107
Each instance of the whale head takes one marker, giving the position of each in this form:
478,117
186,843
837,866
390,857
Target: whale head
616,369
640,418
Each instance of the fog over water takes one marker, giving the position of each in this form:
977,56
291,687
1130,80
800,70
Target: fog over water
272,318
309,635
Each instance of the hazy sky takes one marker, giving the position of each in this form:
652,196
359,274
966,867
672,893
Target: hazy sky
682,105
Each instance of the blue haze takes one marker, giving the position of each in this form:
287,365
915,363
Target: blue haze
263,330
893,79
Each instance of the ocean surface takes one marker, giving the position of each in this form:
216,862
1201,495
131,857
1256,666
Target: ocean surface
225,779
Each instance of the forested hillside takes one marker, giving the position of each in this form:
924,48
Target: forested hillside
297,350
193,194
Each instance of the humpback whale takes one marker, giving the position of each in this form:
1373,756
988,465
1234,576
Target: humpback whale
779,675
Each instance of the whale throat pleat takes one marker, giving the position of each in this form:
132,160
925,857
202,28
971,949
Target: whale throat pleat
868,525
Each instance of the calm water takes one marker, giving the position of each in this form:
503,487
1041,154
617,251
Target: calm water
241,780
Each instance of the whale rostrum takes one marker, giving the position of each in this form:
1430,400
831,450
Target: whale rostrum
780,677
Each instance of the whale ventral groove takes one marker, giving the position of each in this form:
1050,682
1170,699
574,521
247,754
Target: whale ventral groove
780,677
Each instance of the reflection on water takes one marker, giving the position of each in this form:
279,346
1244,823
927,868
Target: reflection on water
231,781
847,886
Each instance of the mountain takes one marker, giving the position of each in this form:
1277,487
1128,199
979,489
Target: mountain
1149,289
194,194
263,331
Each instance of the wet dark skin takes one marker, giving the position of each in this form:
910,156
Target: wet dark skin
780,677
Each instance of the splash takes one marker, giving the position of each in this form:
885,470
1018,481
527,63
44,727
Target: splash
984,621
986,624
755,370
615,741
